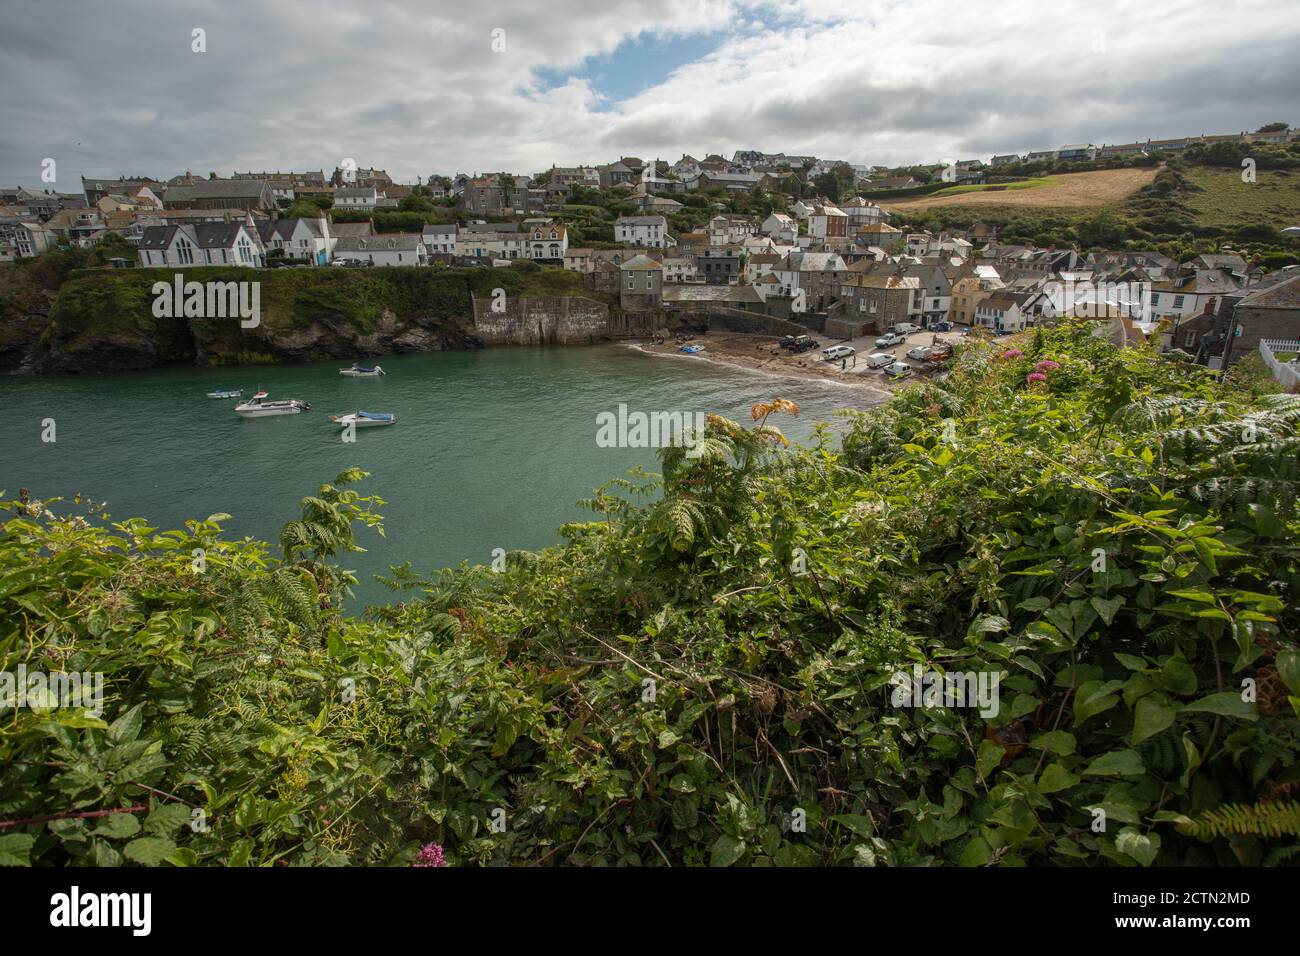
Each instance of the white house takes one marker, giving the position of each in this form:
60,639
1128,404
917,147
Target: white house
359,198
308,239
386,249
647,231
546,241
440,240
679,269
202,244
727,229
863,212
1000,314
780,227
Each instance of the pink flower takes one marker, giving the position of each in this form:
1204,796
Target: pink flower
1011,354
1036,377
1047,365
430,855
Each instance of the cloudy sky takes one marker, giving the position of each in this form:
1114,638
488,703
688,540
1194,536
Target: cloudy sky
107,89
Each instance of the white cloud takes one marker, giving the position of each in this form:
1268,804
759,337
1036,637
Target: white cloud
417,88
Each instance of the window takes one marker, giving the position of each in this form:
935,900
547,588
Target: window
1178,301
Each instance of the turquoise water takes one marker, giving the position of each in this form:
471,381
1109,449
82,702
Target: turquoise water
492,448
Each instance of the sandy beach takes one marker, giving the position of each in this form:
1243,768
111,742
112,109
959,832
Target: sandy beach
763,353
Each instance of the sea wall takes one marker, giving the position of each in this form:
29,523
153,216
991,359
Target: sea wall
554,320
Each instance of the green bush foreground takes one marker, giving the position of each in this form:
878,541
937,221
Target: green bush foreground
702,676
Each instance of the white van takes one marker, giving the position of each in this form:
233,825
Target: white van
838,352
906,328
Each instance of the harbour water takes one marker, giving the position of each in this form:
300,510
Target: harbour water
492,448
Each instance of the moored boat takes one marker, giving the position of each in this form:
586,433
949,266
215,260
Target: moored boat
226,393
362,371
259,407
364,419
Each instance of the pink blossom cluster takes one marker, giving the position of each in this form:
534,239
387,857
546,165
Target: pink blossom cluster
430,855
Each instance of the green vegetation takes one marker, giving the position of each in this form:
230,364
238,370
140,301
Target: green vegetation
1220,198
712,659
102,319
1185,211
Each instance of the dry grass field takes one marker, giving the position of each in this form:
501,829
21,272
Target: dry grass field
1105,187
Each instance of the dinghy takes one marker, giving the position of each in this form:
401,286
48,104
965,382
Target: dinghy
226,393
259,407
364,419
691,349
362,371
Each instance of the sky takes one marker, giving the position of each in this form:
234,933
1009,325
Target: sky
109,89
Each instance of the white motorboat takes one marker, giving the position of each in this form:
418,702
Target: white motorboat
362,371
226,393
259,407
364,419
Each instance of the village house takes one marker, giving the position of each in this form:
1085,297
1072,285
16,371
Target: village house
640,284
827,221
220,193
386,249
440,240
968,290
815,274
647,231
308,239
356,198
1000,313
878,302
96,189
1270,313
202,244
546,241
680,269
862,212
780,227
719,264
728,229
881,234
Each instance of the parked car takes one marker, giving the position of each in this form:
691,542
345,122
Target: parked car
906,328
920,353
898,370
836,352
943,326
350,263
890,338
798,343
880,359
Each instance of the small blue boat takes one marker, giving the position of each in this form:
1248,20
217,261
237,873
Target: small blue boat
364,419
691,349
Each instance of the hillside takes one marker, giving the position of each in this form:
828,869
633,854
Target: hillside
1098,543
1220,198
102,319
1092,190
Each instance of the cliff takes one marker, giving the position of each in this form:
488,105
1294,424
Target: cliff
103,320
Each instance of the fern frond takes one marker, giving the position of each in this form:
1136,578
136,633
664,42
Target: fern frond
1265,819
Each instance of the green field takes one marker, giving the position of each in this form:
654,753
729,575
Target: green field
1224,200
1033,183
